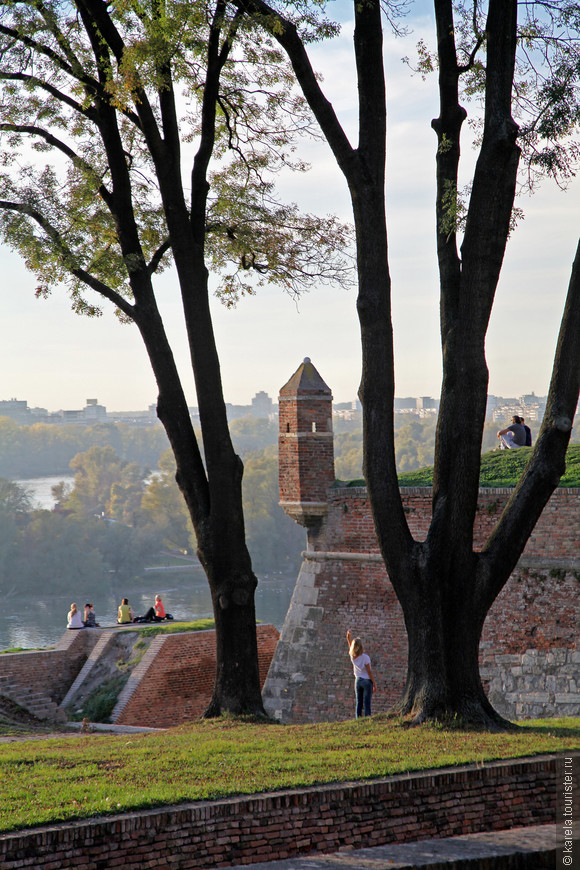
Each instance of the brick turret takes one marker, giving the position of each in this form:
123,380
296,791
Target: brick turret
305,444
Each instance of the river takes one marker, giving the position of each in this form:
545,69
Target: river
185,592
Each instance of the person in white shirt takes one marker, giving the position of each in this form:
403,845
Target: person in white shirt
364,681
74,618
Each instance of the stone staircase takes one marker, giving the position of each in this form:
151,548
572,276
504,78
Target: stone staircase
35,702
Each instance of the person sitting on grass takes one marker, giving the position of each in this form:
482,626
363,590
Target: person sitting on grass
513,436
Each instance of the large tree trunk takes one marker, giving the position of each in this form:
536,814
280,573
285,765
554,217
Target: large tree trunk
444,627
233,583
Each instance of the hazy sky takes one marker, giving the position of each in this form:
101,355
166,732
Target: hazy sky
56,359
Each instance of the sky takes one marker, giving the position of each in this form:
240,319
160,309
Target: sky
54,359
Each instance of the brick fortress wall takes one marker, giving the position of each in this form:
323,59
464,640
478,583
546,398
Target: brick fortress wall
171,684
49,671
174,681
528,657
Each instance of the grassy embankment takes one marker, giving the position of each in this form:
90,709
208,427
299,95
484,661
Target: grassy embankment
502,468
45,781
499,468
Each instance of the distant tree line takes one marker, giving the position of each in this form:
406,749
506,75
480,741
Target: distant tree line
46,449
118,517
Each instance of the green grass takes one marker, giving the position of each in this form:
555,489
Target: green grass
499,468
47,781
173,627
18,649
102,700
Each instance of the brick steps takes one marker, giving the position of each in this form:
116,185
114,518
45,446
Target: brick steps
32,700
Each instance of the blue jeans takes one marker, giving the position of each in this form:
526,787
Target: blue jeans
363,690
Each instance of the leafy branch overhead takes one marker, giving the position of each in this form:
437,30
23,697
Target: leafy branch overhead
68,90
546,85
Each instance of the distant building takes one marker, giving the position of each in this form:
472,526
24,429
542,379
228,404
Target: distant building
427,405
407,405
93,412
262,405
16,410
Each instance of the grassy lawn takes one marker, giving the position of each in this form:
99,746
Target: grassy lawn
45,781
499,468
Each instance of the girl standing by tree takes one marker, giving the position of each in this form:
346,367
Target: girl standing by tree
364,683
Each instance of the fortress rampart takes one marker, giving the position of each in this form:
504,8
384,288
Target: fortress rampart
528,658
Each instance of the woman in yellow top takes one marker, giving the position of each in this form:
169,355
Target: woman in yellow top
125,612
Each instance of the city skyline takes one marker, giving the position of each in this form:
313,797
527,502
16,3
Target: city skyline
92,404
51,357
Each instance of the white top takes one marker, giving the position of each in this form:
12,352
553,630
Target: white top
359,665
75,620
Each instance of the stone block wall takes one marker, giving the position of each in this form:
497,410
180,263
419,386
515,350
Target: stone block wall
310,678
173,682
266,827
534,684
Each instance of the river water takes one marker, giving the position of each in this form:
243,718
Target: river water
41,622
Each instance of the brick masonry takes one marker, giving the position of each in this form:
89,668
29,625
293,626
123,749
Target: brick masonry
174,680
171,684
343,584
243,830
50,671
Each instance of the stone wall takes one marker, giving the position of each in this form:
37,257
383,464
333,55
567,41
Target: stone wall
534,684
408,807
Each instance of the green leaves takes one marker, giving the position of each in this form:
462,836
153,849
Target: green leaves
100,97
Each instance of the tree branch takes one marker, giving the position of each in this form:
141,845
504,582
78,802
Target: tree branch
50,89
67,255
286,34
63,148
102,32
155,260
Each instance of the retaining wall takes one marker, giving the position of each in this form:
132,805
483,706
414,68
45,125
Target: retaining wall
403,808
173,682
52,671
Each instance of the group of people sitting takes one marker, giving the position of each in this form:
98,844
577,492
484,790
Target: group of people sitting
516,435
76,620
125,615
154,614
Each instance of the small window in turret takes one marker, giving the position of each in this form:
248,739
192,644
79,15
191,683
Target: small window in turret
314,427
287,427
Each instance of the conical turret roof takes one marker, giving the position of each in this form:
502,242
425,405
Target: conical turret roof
305,380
